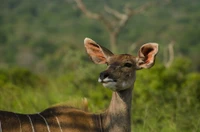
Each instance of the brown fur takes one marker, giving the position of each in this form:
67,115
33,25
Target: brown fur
70,119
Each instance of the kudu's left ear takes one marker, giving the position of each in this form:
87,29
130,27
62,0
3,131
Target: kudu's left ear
146,55
97,53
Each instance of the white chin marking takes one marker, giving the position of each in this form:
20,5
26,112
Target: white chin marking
110,85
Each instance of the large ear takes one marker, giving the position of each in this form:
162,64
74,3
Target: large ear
146,55
97,53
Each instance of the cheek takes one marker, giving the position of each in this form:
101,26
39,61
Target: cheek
128,81
123,85
126,85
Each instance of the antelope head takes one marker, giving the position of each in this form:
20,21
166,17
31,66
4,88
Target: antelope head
120,73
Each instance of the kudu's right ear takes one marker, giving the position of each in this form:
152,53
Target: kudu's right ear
97,53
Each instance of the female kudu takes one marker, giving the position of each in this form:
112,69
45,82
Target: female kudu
119,77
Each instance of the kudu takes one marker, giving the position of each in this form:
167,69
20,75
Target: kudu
119,77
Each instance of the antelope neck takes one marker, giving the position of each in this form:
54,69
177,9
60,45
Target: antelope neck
118,116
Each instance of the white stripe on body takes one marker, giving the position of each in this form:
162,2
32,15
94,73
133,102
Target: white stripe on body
58,123
45,122
0,127
19,122
33,130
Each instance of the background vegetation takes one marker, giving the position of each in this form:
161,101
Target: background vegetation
43,61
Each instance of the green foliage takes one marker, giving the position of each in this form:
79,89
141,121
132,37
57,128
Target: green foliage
19,77
167,97
46,27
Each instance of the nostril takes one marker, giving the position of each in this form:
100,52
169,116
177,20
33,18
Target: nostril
104,75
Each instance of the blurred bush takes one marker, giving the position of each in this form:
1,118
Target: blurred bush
19,77
167,97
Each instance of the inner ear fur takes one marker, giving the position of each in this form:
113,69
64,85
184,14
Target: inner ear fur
97,53
146,55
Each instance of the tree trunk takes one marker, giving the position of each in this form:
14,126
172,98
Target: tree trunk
113,42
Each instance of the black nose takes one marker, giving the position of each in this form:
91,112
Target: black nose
104,75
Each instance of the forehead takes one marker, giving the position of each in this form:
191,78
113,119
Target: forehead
122,58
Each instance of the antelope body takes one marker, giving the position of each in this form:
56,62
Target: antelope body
119,77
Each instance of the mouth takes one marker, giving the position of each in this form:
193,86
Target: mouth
108,83
106,80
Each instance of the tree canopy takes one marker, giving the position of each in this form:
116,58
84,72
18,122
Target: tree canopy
38,34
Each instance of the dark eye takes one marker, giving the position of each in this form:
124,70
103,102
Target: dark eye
128,65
